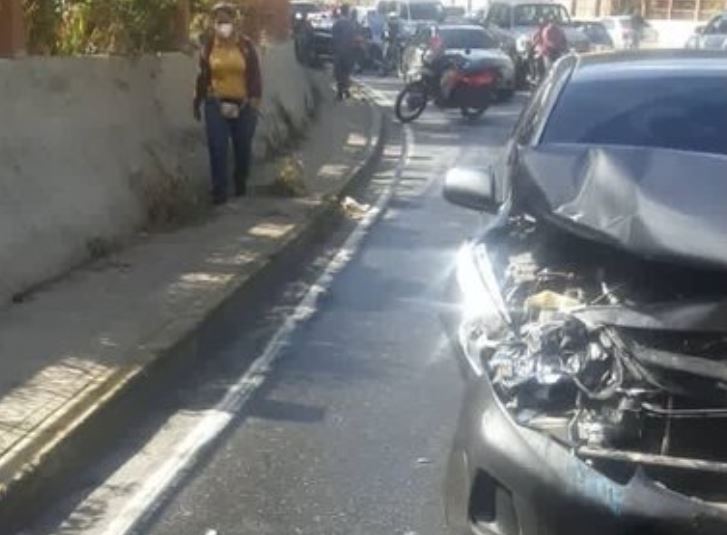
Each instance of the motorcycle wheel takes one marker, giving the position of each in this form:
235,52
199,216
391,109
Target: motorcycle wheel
407,108
473,113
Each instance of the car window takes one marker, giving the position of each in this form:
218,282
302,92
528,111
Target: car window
505,16
425,11
499,15
718,25
609,24
387,7
305,8
672,112
463,39
525,126
531,120
596,33
533,14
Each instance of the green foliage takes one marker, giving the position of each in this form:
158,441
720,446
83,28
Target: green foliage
42,20
134,26
100,26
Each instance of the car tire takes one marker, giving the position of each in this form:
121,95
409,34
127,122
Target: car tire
473,114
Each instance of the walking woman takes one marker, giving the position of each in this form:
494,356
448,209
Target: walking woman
229,88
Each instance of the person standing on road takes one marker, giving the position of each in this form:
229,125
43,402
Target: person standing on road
229,88
344,43
550,43
376,23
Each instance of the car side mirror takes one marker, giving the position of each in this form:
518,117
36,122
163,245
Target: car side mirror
701,30
471,188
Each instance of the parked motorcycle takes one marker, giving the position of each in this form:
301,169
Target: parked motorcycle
470,86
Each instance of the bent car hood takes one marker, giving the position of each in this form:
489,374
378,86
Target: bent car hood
659,203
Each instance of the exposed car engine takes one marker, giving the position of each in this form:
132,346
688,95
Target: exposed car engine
621,359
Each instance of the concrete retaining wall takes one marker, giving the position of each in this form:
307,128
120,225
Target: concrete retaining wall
92,149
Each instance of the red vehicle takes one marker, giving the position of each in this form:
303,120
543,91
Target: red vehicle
457,71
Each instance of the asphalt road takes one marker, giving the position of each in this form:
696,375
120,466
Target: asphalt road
350,431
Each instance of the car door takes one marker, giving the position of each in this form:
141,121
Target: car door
715,34
612,29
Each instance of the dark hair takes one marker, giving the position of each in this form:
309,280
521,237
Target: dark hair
345,9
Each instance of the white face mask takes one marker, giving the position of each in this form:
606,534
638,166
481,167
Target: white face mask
224,29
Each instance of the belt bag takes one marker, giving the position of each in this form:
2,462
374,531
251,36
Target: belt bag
230,109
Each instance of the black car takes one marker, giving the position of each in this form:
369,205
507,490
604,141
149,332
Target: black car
301,10
592,325
314,41
461,40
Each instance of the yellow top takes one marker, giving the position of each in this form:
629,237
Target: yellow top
228,67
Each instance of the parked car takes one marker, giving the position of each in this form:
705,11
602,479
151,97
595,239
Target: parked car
299,10
314,43
519,22
413,13
597,34
711,36
592,325
623,31
467,41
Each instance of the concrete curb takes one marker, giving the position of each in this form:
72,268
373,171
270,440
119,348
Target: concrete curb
59,444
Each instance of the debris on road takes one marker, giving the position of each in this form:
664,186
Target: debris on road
354,209
290,180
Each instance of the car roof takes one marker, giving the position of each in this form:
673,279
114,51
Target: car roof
648,63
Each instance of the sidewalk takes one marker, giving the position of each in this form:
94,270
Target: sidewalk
72,347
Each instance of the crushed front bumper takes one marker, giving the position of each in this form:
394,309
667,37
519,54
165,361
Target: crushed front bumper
505,479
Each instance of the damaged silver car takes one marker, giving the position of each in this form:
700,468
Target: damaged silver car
592,316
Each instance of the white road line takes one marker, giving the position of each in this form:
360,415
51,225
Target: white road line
153,489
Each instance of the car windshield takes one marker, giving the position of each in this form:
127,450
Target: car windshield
672,112
425,11
533,14
304,8
467,38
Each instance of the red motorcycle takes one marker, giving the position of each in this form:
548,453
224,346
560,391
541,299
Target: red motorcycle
452,83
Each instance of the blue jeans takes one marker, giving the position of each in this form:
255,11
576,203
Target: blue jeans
219,133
